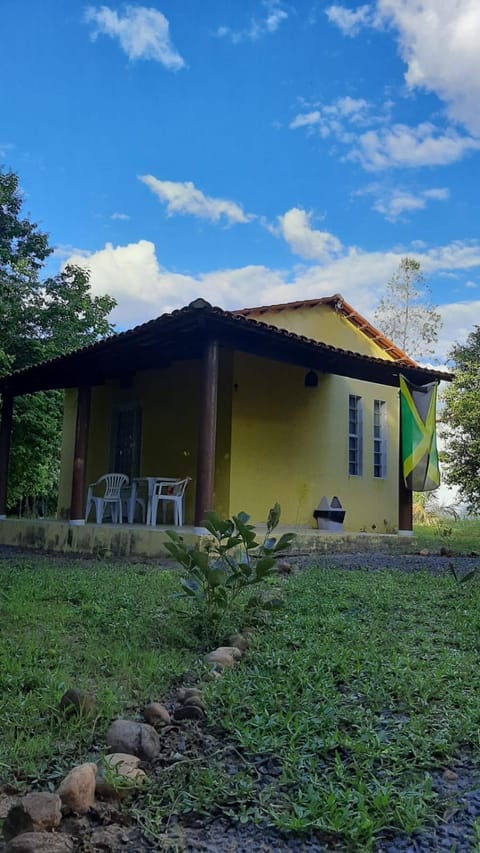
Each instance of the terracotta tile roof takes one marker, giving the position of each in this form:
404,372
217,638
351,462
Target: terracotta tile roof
182,330
342,307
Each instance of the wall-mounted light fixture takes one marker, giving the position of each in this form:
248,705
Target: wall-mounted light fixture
311,379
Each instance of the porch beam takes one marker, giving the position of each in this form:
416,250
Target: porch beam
5,437
77,504
207,432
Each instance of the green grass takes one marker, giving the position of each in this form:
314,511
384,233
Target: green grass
461,536
365,685
361,687
108,630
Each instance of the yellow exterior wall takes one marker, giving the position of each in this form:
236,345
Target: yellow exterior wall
323,323
290,444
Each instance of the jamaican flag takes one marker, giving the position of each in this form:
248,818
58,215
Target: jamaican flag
418,437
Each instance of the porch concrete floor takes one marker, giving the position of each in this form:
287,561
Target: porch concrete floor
139,540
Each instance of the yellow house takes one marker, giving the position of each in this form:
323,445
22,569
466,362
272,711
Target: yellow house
284,403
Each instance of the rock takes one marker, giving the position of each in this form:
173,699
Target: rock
213,675
239,641
187,693
7,801
284,568
234,651
77,702
220,659
424,552
188,712
119,775
122,759
194,700
77,791
475,553
445,552
156,714
40,842
450,775
36,812
138,739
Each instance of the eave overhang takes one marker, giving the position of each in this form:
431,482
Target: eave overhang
182,334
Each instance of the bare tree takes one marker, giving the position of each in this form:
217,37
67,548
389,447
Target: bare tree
406,314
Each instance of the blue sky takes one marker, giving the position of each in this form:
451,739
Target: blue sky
250,152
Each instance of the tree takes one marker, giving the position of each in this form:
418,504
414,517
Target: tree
40,319
405,314
461,417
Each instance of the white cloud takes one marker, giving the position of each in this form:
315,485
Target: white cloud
458,321
397,203
438,42
393,203
471,284
143,33
274,18
304,240
410,147
306,119
371,139
274,15
335,117
437,193
350,21
144,289
120,216
183,197
354,108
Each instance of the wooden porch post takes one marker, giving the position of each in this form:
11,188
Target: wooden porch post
5,435
77,505
207,432
405,496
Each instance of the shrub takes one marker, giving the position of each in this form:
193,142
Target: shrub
235,561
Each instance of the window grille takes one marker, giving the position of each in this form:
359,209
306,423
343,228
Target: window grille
355,435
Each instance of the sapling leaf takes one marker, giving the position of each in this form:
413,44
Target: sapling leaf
215,577
453,571
284,542
217,525
242,517
264,567
468,576
200,559
191,587
273,517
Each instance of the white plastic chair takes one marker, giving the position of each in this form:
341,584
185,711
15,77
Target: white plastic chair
114,483
169,491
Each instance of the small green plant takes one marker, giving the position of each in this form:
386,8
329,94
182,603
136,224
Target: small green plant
217,577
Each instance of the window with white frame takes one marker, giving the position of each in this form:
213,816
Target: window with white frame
355,435
379,438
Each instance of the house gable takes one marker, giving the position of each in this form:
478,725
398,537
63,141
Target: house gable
329,320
